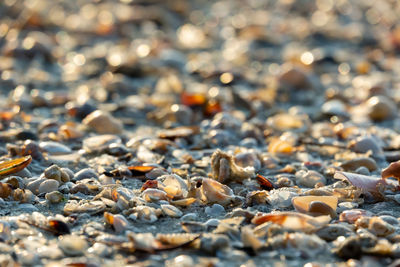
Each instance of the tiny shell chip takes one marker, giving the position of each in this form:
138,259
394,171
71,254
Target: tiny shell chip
192,100
59,227
280,146
140,170
302,204
264,183
179,132
353,215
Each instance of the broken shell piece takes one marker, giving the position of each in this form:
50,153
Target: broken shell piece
316,205
366,183
354,164
184,202
24,195
215,192
118,222
279,146
393,170
224,169
171,211
5,190
353,215
103,123
173,185
285,121
54,197
92,207
293,220
144,213
379,227
176,239
14,165
154,195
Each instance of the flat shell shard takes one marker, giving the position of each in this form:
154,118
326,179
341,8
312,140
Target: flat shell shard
303,203
366,183
140,170
14,165
293,220
179,132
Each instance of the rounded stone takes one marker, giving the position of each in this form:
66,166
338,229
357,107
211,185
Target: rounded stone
48,186
309,178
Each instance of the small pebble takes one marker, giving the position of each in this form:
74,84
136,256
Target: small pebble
103,123
216,210
72,245
48,186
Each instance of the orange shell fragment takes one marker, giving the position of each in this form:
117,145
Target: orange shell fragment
14,165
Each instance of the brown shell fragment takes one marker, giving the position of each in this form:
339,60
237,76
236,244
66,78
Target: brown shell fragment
179,132
59,227
5,190
393,170
264,183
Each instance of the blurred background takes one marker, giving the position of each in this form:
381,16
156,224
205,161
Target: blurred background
252,55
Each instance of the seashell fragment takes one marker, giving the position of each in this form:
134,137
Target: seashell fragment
5,190
215,192
154,195
59,227
293,220
54,197
224,169
351,216
379,227
92,207
14,165
118,222
366,183
173,185
171,211
279,146
144,213
393,170
354,164
311,205
103,123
